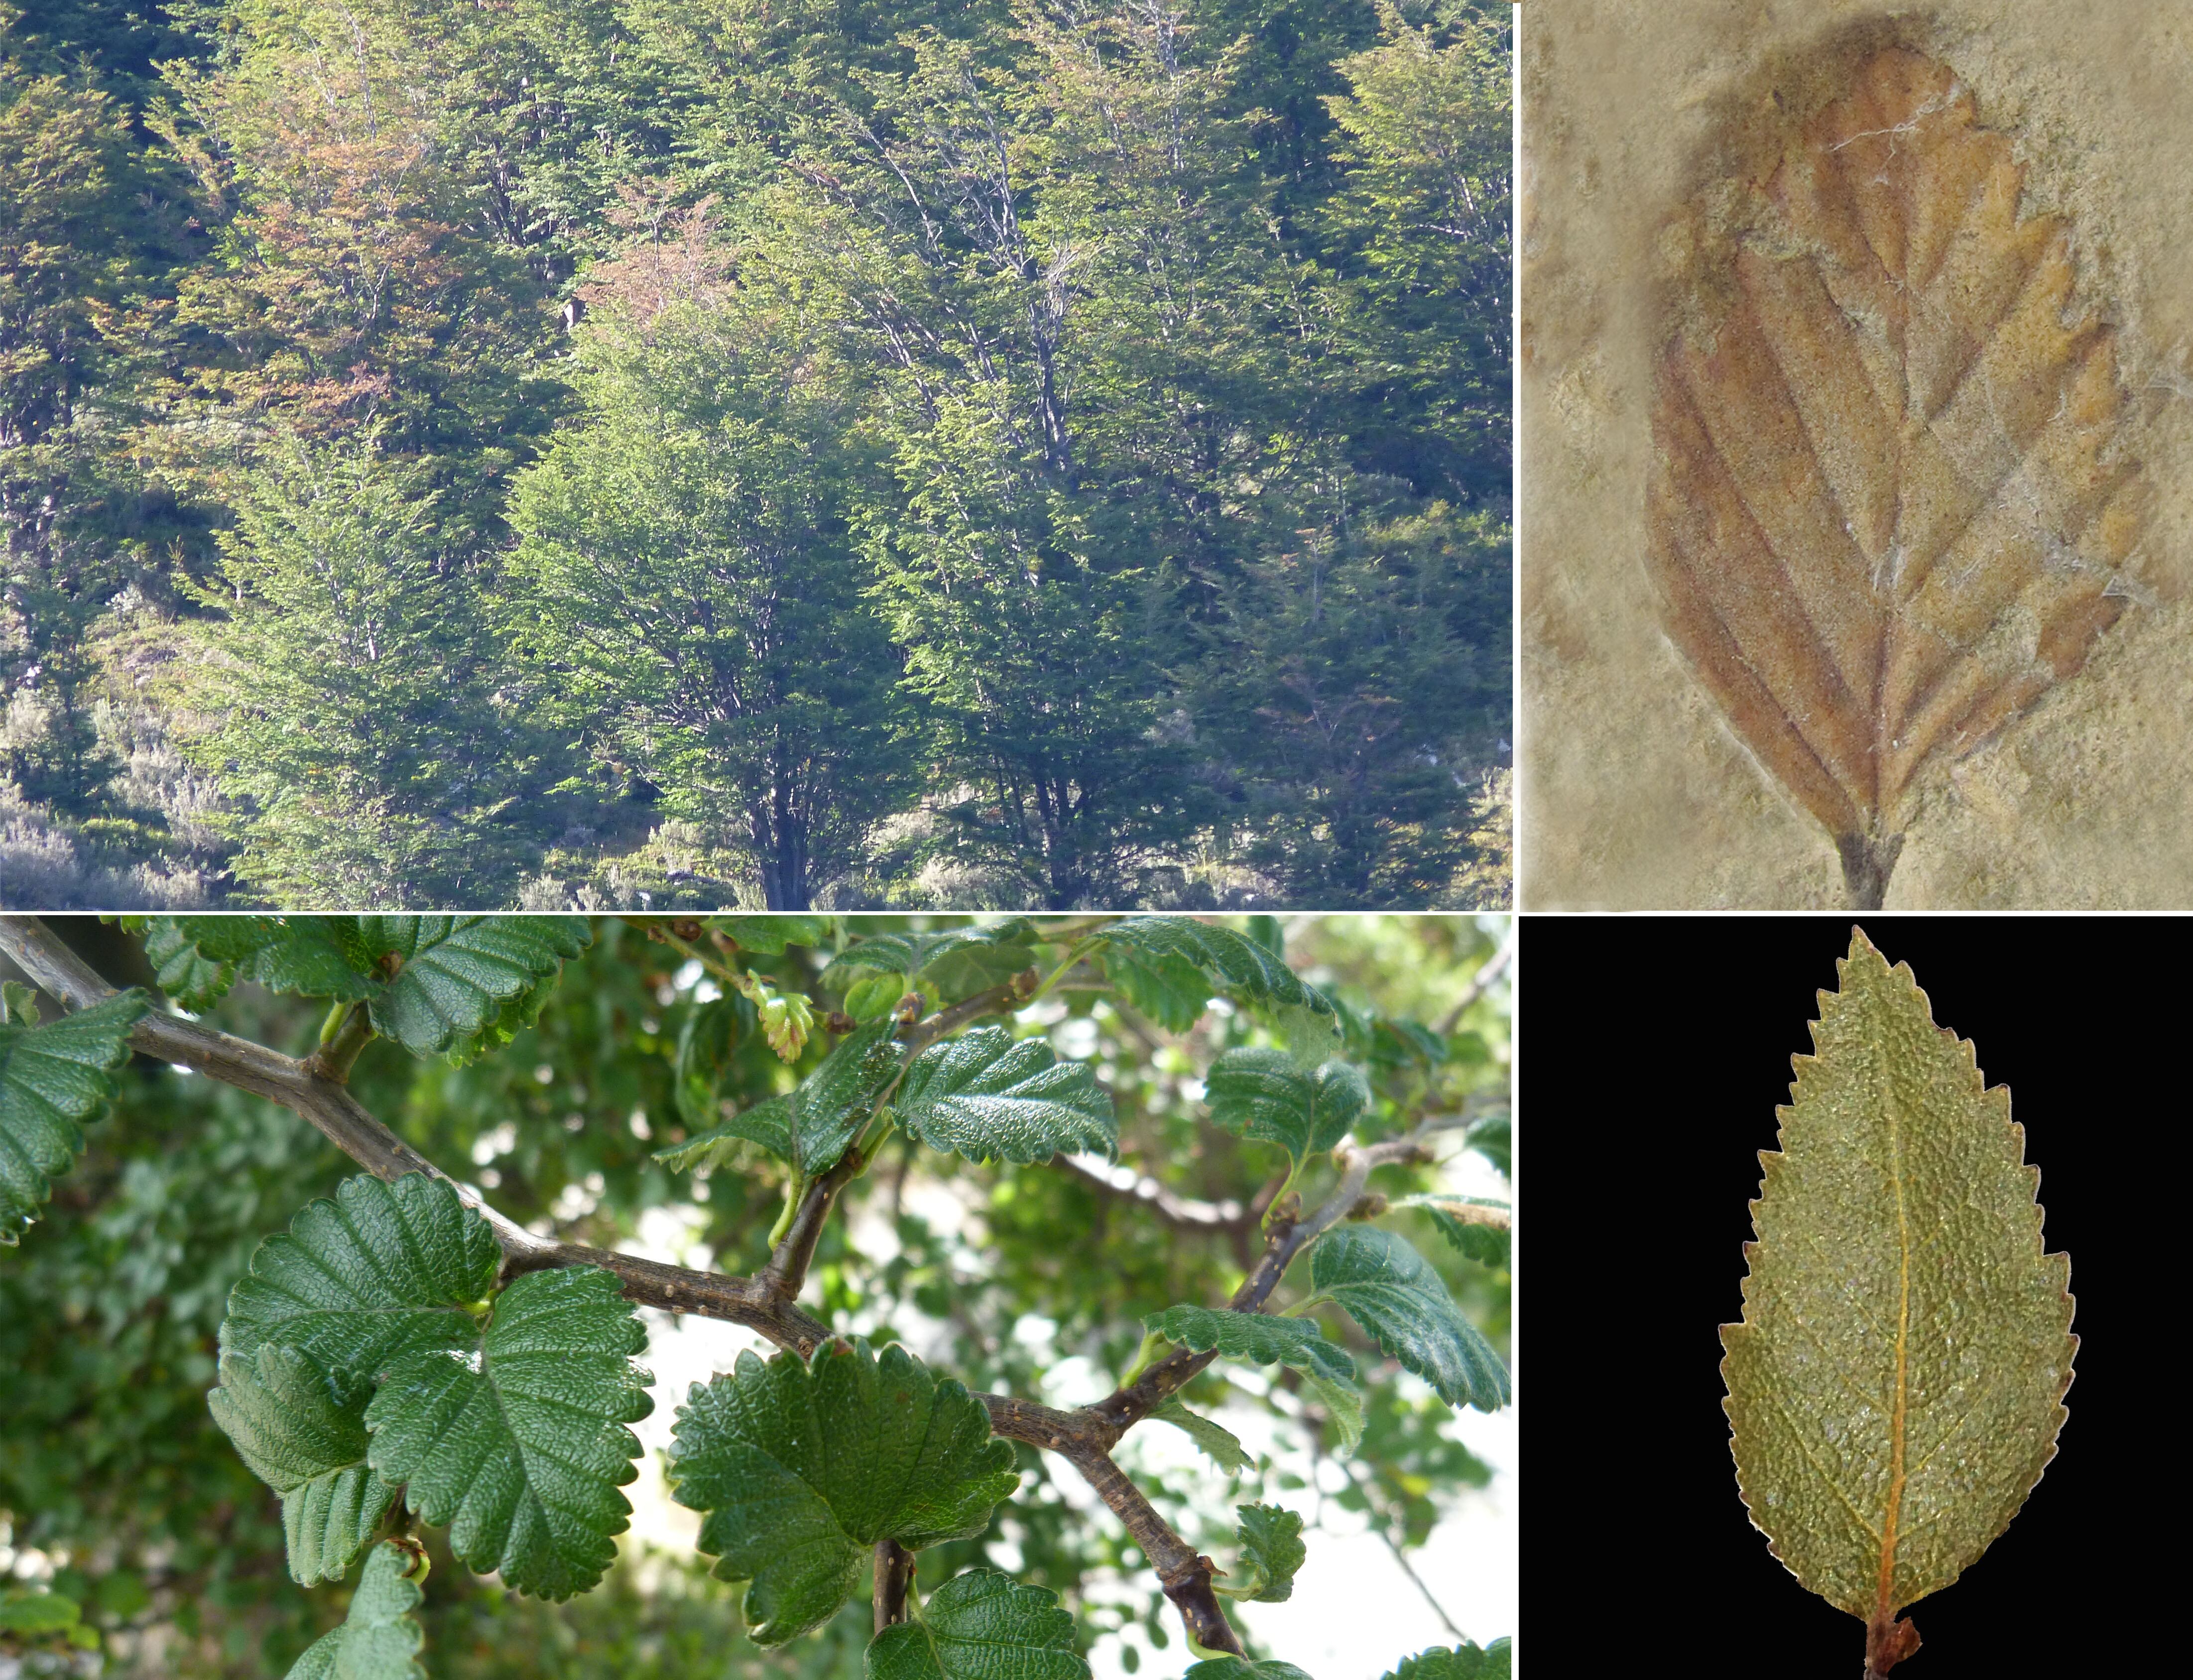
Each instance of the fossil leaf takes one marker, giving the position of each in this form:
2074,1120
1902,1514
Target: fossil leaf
1896,1386
1884,511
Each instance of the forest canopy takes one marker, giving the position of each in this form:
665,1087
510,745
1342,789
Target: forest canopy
789,453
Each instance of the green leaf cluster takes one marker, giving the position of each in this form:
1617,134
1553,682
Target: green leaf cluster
809,1127
501,1413
434,984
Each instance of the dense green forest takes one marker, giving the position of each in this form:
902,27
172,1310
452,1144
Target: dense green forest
611,453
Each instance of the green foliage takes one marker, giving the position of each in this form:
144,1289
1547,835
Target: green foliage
307,1442
1394,1294
802,1467
1217,1441
510,1431
341,613
53,1079
109,1312
1240,1668
381,1271
1464,1661
1263,1093
1230,962
1272,1550
379,1639
809,1127
1487,1244
24,1610
1257,1337
989,1096
432,983
516,1441
958,961
981,1625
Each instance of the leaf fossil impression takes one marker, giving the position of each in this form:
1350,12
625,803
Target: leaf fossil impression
1896,1386
1884,513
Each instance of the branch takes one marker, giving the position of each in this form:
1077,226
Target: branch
1177,1211
1083,1437
1481,983
894,1582
1129,1404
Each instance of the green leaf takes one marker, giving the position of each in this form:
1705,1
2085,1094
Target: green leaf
1494,1138
874,997
381,1271
707,1043
1393,1293
29,1612
1271,1552
1344,1405
1231,1667
802,1467
308,1444
54,1078
990,1097
1896,1386
378,1639
1459,1662
767,935
1169,989
1458,1219
1264,1094
516,1440
462,974
1217,1441
1240,968
19,1004
194,979
811,1128
981,1625
1257,1337
958,961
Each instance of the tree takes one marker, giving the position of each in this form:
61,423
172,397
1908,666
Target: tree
66,260
759,1077
687,587
349,688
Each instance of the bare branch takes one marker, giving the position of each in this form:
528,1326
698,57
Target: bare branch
1177,1211
894,1582
1481,983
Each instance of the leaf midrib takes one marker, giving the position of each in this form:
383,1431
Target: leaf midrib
1882,1605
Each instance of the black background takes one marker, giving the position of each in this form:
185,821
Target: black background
1651,1054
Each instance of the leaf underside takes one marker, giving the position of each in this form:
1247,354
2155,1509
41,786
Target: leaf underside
1214,1440
309,1445
1393,1293
1884,514
1272,1549
378,1640
1896,1386
801,1468
1257,1337
981,1625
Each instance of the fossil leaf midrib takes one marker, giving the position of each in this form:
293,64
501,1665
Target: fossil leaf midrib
1884,514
